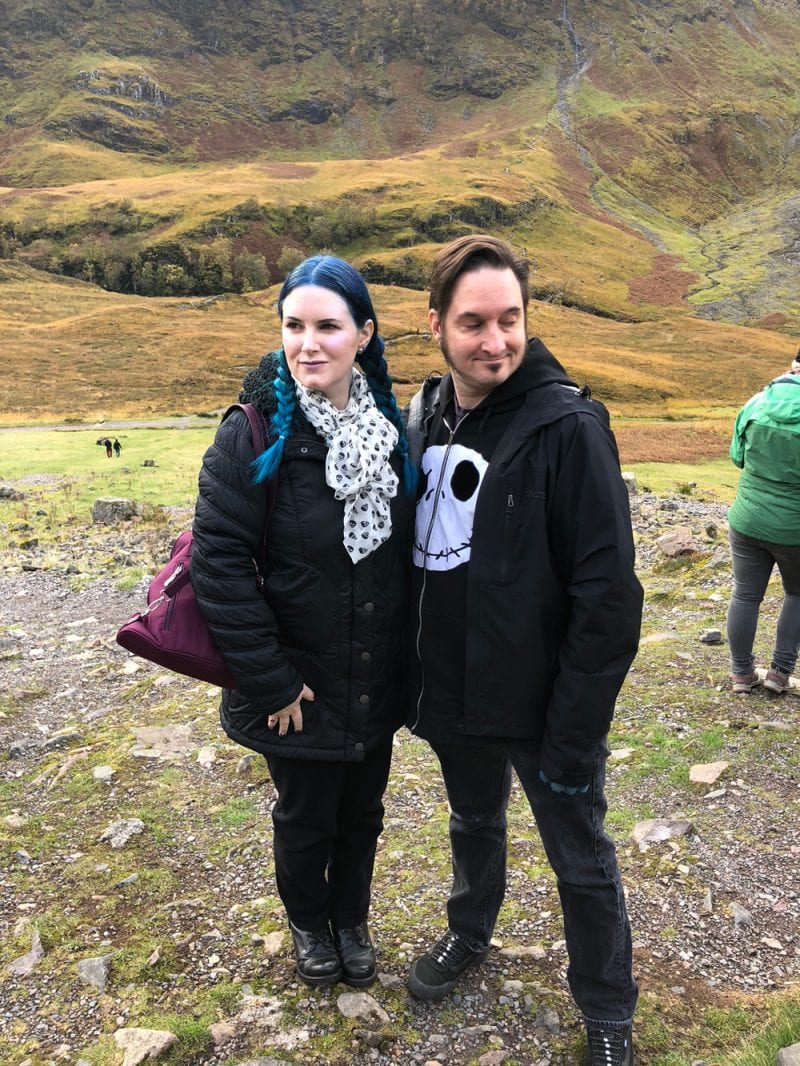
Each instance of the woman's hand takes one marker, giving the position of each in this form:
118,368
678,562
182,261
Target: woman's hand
292,714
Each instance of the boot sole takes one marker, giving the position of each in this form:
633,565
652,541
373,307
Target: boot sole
360,982
320,982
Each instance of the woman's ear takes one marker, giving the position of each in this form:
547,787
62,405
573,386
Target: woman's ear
365,333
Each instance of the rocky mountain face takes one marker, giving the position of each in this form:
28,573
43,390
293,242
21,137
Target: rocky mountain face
678,121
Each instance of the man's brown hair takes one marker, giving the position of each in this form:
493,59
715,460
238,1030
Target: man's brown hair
471,253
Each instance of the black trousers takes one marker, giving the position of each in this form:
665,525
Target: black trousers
327,820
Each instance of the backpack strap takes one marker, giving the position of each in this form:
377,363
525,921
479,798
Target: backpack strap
260,433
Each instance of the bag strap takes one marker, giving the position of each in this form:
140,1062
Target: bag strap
260,432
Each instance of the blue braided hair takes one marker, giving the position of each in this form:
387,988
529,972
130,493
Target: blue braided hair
267,463
340,277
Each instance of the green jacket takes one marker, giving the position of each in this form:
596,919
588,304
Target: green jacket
766,446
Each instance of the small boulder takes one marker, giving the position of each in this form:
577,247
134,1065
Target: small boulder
707,773
141,1044
95,971
109,510
362,1007
679,541
26,964
656,830
119,833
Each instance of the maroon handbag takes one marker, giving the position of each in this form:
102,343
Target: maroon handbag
171,631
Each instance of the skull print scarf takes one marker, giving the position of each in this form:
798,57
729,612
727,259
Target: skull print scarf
360,440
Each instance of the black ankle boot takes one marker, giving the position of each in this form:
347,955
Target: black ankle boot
317,959
357,954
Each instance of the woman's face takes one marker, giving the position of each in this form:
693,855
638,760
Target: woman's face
320,340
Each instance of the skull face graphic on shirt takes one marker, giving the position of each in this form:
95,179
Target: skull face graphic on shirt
451,479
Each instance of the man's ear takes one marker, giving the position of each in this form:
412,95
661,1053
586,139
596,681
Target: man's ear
435,323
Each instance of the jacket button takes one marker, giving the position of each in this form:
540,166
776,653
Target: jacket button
365,656
369,607
363,699
358,747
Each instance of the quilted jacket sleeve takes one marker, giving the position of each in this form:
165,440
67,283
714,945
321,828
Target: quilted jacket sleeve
228,535
595,555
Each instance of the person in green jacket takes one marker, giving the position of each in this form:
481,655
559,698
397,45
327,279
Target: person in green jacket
764,529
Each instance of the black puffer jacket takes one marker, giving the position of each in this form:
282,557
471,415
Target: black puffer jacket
321,620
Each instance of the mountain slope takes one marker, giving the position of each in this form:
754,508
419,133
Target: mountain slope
646,156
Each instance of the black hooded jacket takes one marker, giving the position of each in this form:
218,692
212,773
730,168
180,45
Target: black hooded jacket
530,637
321,620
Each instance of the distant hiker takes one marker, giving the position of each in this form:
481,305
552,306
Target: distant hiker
318,655
764,529
117,447
109,450
526,619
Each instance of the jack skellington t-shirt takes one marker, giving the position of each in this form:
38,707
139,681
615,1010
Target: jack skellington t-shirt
452,470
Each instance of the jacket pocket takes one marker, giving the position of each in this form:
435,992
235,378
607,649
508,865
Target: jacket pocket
522,511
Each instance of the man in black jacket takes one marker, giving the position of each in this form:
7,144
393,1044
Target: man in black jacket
528,620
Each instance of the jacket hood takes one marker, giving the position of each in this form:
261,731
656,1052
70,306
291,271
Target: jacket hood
780,400
258,386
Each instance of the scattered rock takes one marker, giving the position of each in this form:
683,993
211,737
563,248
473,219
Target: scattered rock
361,1007
167,743
789,1056
206,757
109,510
26,964
141,1044
15,821
273,944
711,636
741,915
523,951
679,541
103,773
656,830
95,971
629,479
119,833
707,773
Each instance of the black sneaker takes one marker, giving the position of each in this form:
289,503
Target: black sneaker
609,1045
433,974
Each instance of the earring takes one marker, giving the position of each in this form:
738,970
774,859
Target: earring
360,351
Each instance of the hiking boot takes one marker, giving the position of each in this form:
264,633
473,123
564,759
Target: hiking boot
745,682
318,961
433,974
609,1045
357,954
776,681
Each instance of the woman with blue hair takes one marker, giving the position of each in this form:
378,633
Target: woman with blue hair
317,651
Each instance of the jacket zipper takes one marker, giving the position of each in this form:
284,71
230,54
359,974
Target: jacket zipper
506,535
426,542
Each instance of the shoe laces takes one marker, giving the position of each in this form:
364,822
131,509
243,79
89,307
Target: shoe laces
450,950
607,1047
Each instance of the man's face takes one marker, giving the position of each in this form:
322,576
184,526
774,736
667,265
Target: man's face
482,335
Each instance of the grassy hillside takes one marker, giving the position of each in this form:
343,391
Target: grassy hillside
645,157
73,351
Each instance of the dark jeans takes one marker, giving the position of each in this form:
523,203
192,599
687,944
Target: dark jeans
478,782
327,820
753,563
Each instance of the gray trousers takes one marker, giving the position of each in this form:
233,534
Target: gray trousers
753,562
